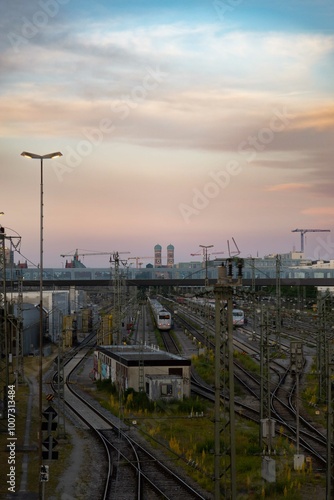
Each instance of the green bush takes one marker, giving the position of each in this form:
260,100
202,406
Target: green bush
190,405
137,401
208,446
107,386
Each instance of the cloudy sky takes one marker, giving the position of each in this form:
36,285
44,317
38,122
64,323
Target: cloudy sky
186,122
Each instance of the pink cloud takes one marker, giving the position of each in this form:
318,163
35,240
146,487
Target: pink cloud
320,118
319,211
291,186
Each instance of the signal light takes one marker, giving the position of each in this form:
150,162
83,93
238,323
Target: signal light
44,473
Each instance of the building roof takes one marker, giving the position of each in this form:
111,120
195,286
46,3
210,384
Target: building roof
131,355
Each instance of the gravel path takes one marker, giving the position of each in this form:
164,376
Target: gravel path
80,481
82,478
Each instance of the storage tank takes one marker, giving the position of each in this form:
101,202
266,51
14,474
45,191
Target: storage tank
30,333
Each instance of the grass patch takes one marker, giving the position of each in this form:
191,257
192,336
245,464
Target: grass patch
310,398
247,362
184,431
204,366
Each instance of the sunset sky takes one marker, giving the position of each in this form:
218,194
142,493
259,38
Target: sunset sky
183,122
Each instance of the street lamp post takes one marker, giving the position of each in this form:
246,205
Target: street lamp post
205,253
40,372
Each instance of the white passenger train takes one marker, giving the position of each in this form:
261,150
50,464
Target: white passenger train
199,304
162,317
238,317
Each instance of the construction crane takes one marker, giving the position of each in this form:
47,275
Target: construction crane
76,255
203,253
303,231
138,264
216,253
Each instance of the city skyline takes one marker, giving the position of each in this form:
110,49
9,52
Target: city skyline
186,124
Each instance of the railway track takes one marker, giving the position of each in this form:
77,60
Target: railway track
129,471
311,438
169,343
132,473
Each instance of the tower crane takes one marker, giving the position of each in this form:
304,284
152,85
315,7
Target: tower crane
137,260
203,253
76,255
303,231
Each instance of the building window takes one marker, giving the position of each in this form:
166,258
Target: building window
166,390
175,371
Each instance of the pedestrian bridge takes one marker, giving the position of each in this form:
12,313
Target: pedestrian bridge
52,284
84,277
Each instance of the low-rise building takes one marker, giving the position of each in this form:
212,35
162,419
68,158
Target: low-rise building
160,374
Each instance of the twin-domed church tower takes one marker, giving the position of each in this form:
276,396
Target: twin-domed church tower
158,256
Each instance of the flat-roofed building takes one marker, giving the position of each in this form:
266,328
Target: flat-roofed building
160,374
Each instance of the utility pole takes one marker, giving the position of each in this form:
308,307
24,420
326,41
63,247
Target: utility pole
206,284
205,254
321,347
117,301
61,386
141,383
117,320
254,298
262,378
19,332
330,424
278,302
223,291
4,367
6,340
265,393
267,428
296,367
